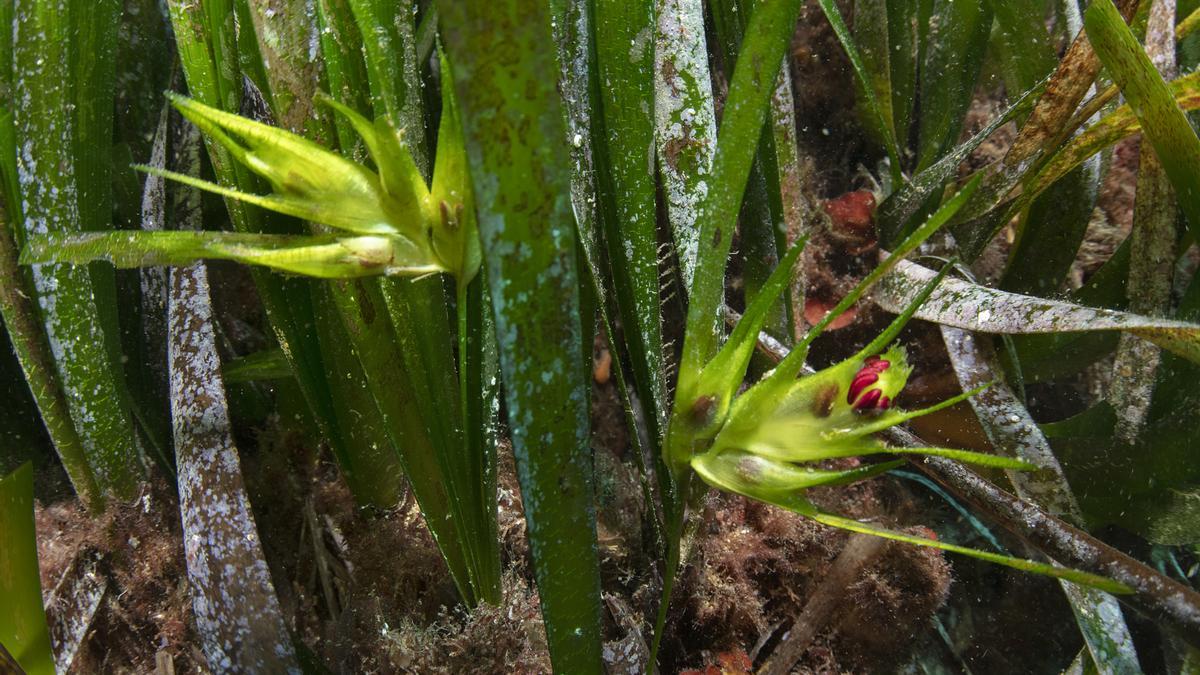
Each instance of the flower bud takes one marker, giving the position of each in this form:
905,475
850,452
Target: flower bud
878,381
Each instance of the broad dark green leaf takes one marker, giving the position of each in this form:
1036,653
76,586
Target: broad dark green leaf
872,34
956,40
1023,46
502,53
53,186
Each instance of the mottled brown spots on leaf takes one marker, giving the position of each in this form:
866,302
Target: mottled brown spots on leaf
822,404
701,412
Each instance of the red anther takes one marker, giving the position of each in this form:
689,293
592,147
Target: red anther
869,400
884,403
876,364
862,380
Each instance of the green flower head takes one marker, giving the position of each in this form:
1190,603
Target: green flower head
381,220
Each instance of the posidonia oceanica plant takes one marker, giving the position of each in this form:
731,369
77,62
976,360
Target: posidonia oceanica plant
404,286
765,443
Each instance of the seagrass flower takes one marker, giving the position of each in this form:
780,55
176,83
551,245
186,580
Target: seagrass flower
380,220
772,442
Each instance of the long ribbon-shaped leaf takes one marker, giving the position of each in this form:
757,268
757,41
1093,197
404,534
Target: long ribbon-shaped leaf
625,51
685,121
750,92
501,52
1111,128
1152,241
238,616
51,197
1011,430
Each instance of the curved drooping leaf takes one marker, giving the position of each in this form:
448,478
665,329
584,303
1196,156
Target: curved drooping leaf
29,343
969,306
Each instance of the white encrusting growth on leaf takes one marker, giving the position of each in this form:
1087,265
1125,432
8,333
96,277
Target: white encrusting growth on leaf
969,306
49,198
237,613
685,121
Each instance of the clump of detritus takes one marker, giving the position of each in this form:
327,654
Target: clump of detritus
894,598
509,638
137,547
755,566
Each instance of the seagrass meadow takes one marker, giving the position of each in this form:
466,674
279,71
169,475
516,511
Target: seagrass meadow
599,336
